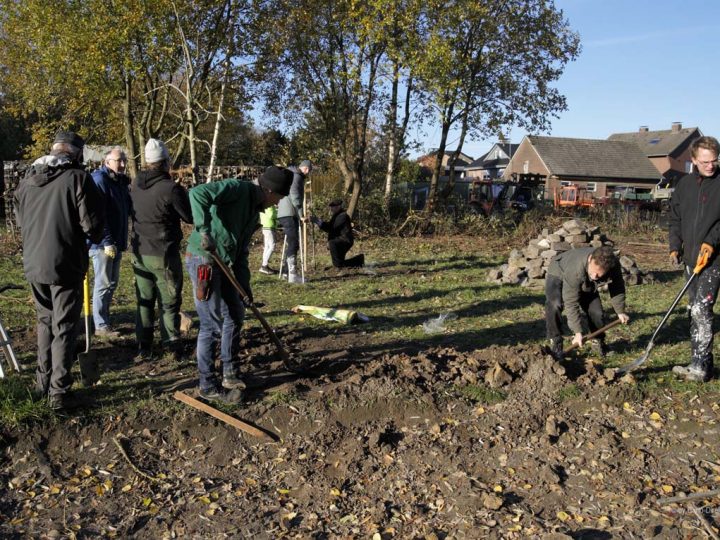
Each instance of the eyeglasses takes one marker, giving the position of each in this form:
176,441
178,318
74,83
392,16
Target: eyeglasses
116,159
706,163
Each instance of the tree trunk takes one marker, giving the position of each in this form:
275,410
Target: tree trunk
128,123
392,142
435,180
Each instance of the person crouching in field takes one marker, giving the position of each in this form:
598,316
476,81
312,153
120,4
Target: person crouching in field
340,237
225,214
572,284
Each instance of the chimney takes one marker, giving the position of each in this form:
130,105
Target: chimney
676,126
643,129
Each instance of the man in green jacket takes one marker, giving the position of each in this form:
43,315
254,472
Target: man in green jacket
572,284
225,215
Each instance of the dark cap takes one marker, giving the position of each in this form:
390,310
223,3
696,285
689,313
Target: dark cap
306,163
276,180
335,202
69,137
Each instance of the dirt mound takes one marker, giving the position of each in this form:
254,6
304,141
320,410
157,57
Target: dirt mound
376,448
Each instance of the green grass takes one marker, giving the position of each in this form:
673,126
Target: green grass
17,404
568,391
478,393
416,279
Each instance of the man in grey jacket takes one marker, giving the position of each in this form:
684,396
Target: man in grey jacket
291,214
572,284
58,209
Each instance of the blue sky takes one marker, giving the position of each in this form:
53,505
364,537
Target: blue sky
643,62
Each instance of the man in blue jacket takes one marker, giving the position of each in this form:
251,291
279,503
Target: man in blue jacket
694,238
107,254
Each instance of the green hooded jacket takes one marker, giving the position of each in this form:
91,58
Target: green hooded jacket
228,211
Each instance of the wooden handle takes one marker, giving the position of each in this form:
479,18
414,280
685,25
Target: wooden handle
270,332
239,424
593,334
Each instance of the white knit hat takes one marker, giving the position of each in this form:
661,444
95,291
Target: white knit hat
155,150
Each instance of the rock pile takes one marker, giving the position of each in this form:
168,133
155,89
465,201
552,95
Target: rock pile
528,267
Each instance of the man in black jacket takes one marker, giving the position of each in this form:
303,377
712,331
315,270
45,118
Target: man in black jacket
159,204
340,236
694,238
58,208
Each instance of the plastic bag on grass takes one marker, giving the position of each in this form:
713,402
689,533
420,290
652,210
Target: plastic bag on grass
437,325
345,316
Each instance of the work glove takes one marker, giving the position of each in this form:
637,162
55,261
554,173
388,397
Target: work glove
706,251
624,318
675,258
206,242
578,339
110,251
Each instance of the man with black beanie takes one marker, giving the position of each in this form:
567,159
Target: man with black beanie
225,215
58,209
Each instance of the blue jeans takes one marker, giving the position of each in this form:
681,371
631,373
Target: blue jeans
107,274
221,318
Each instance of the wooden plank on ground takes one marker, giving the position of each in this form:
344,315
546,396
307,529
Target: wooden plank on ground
231,420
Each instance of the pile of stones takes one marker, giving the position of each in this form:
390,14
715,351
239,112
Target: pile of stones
528,267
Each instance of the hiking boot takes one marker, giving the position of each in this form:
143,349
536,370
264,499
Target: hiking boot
295,278
599,348
556,348
143,355
62,402
692,373
267,271
221,395
231,381
105,332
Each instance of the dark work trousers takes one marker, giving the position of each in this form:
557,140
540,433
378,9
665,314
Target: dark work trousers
590,304
338,249
58,310
702,294
290,230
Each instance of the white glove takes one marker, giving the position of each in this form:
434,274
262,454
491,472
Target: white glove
110,251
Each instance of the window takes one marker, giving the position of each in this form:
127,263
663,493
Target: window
566,183
653,141
591,187
688,166
526,166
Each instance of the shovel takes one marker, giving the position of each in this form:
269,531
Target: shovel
640,361
89,372
289,364
593,334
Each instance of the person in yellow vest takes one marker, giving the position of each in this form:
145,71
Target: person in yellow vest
268,221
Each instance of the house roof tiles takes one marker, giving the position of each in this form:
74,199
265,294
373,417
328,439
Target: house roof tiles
594,158
662,142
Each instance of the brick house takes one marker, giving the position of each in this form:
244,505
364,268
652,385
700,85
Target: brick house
600,166
427,163
668,149
492,165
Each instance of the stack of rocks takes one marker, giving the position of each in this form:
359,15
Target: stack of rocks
527,267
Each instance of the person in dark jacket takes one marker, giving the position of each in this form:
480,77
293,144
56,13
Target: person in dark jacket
158,207
107,254
340,236
571,284
694,239
58,209
226,216
291,214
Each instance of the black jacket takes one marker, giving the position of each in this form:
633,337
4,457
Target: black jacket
158,205
58,208
338,228
695,215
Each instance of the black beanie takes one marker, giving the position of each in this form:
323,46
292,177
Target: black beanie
276,180
69,137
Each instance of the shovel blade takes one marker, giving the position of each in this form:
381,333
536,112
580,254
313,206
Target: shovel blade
89,368
637,363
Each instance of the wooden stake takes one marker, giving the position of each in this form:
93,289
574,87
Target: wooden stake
234,422
690,497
